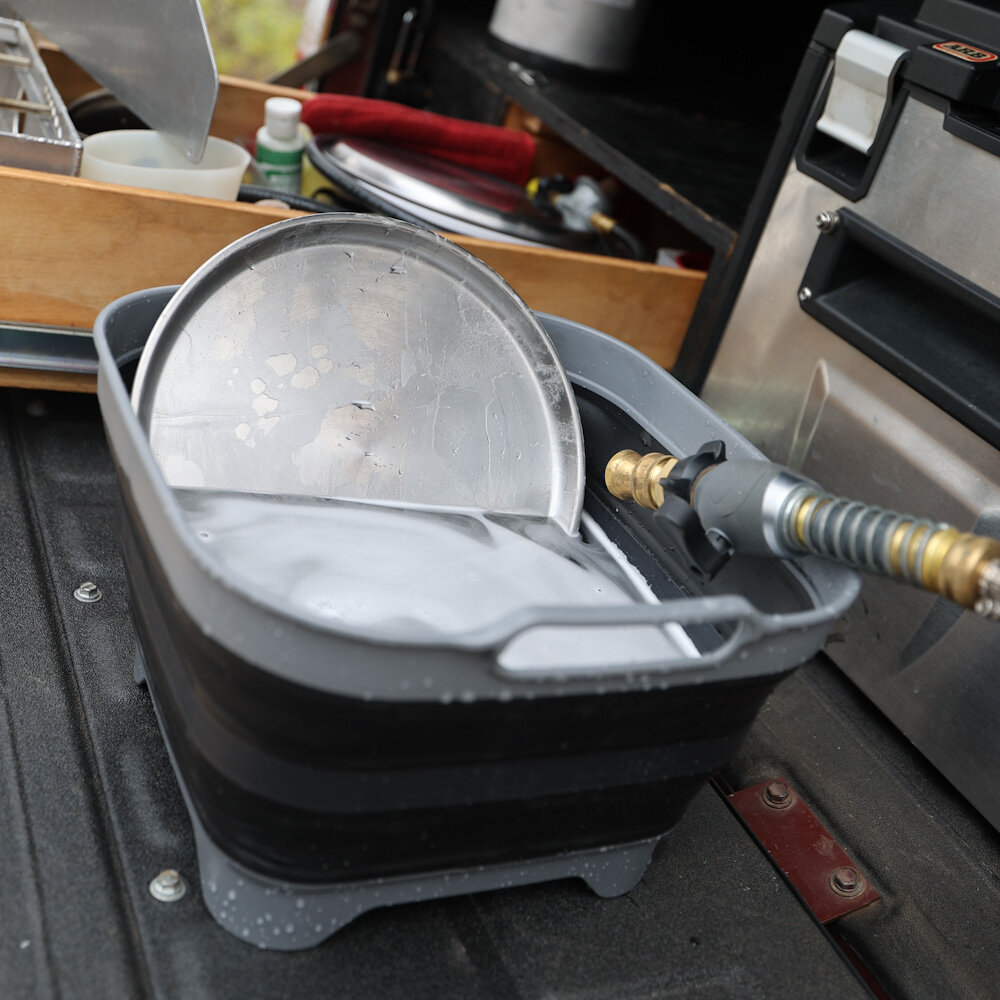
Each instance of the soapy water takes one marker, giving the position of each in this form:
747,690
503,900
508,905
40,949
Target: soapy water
404,571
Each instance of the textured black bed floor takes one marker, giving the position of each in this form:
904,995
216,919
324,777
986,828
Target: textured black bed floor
90,812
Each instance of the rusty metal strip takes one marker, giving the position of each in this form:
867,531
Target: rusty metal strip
829,882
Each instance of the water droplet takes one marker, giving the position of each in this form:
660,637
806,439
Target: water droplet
264,404
282,364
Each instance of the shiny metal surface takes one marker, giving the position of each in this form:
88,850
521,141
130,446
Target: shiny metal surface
152,54
352,356
596,34
929,199
631,476
47,348
35,128
444,195
805,396
776,495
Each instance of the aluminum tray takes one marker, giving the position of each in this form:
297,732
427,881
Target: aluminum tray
356,357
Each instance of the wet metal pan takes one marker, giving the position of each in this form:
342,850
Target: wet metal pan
433,192
358,357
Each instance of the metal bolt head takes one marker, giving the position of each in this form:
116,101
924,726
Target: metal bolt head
778,795
87,593
847,881
805,294
168,886
528,77
826,222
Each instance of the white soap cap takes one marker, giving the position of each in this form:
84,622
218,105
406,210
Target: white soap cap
281,116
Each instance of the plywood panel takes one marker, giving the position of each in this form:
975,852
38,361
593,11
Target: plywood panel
28,378
71,246
647,306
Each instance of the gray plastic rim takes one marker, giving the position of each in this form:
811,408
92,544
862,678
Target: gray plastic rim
465,667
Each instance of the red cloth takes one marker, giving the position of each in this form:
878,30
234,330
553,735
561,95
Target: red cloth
493,150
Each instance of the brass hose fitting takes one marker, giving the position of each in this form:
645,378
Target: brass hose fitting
795,516
602,222
631,476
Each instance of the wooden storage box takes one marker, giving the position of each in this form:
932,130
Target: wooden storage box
70,246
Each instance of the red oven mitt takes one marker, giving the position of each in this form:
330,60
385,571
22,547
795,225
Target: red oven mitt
493,150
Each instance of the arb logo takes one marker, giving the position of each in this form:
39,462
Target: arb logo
967,52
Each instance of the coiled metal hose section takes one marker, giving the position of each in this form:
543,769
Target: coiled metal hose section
938,557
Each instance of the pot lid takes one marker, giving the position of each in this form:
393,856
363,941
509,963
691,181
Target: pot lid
359,357
443,195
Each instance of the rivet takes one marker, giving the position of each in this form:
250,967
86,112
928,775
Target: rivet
87,593
805,294
168,886
826,222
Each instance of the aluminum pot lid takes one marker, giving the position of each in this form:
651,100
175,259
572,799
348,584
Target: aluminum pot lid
359,357
440,194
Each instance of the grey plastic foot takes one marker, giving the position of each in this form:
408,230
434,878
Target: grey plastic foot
286,917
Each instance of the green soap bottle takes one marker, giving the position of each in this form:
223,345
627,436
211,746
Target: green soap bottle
280,145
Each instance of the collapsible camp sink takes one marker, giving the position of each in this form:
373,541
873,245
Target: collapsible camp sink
329,770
